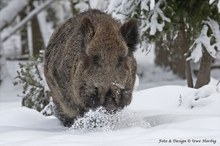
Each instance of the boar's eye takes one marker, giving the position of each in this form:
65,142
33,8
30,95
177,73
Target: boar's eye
95,59
120,60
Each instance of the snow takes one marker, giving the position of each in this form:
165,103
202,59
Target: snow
154,24
121,9
163,110
27,18
218,5
10,12
45,30
99,4
82,6
204,40
152,4
197,53
216,32
155,116
149,74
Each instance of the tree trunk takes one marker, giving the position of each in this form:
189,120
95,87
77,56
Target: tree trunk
38,43
180,47
189,78
204,72
1,60
23,34
162,53
171,53
3,69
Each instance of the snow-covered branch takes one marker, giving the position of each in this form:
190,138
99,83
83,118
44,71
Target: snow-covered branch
150,12
214,25
153,22
28,18
204,41
121,9
218,4
99,4
8,13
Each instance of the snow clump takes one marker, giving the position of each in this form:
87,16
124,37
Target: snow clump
102,120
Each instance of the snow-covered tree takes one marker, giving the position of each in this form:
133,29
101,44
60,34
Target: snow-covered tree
36,94
175,26
205,48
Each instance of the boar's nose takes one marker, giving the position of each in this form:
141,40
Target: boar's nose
109,93
111,97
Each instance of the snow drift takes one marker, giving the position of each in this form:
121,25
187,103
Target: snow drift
155,116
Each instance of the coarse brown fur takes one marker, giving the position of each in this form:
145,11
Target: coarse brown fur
89,63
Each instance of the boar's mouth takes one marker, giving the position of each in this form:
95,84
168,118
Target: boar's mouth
111,101
117,100
92,100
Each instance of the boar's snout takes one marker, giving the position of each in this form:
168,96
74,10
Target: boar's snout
114,97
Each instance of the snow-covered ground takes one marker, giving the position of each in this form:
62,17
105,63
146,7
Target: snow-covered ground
163,115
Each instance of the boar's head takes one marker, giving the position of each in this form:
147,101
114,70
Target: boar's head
105,74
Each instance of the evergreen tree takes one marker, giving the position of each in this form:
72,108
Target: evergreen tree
35,92
177,27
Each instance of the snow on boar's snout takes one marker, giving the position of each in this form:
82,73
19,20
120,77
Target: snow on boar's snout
89,63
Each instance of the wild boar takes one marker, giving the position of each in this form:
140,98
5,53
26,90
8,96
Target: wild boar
89,63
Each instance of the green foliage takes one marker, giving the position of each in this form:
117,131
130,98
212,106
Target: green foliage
35,94
193,13
174,27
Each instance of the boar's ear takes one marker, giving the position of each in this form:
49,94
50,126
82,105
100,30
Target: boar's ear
129,31
87,30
